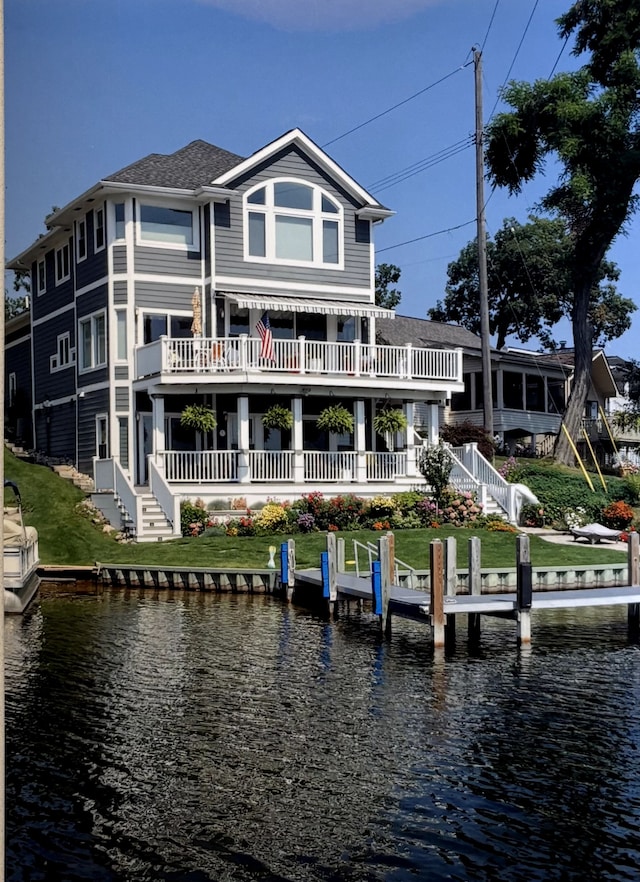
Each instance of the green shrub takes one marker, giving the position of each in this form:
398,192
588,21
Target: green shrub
193,517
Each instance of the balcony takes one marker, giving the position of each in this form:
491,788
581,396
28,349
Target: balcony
230,356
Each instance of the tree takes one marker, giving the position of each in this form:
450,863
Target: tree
529,285
15,305
387,274
588,121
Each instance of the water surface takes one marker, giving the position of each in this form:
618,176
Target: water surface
216,737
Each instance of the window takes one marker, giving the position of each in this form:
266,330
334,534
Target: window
238,321
42,277
63,264
293,222
93,342
555,396
462,400
81,240
534,392
172,227
98,229
102,436
156,325
512,390
118,210
64,355
121,335
346,328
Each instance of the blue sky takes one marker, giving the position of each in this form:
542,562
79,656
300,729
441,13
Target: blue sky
92,86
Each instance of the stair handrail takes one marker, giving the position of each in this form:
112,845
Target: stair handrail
161,491
129,499
504,493
372,553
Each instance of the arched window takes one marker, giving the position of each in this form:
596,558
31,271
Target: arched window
293,222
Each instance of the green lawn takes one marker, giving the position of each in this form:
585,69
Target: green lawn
68,538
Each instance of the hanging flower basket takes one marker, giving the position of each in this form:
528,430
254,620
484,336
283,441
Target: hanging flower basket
198,417
389,421
277,417
336,419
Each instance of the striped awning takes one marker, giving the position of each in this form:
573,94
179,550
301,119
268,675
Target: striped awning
307,304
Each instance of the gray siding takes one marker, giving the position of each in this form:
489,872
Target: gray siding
159,296
229,258
122,398
119,259
92,404
123,434
121,372
55,431
167,261
120,292
45,344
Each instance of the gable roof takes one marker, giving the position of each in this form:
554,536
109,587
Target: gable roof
423,332
195,165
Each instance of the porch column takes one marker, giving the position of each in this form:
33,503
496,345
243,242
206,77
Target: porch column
244,474
410,446
433,422
298,448
157,416
360,441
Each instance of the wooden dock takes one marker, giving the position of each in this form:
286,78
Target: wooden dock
440,607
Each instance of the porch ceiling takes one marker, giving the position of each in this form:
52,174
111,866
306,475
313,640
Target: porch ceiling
307,304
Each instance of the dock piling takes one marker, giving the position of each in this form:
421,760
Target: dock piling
475,588
524,575
436,559
633,558
385,556
450,586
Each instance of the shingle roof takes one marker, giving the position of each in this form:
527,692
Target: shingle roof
422,332
195,165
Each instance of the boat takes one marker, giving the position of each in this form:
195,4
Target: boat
21,558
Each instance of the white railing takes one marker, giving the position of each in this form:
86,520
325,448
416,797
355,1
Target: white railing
329,466
198,466
164,496
386,466
103,474
371,550
500,489
129,500
206,355
271,465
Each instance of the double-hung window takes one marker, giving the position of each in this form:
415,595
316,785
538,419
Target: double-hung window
81,240
167,226
288,221
65,355
63,264
93,341
41,279
99,232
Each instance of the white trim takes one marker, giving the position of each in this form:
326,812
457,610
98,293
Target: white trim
92,387
176,206
54,402
187,281
239,283
91,286
55,364
296,136
52,315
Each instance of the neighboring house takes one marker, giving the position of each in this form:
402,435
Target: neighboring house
204,277
530,389
17,386
622,418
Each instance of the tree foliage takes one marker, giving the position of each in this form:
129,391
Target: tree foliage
589,122
529,285
387,274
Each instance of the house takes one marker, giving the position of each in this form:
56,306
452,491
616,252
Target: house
530,389
202,277
18,378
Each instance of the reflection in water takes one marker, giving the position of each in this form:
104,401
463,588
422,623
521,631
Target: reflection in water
203,737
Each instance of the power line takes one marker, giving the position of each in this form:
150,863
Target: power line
524,34
422,165
427,236
493,15
395,106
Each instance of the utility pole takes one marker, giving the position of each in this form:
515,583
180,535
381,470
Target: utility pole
485,335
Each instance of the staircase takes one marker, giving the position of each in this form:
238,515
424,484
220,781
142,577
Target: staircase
154,526
473,473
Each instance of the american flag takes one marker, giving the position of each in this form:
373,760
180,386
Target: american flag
264,332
